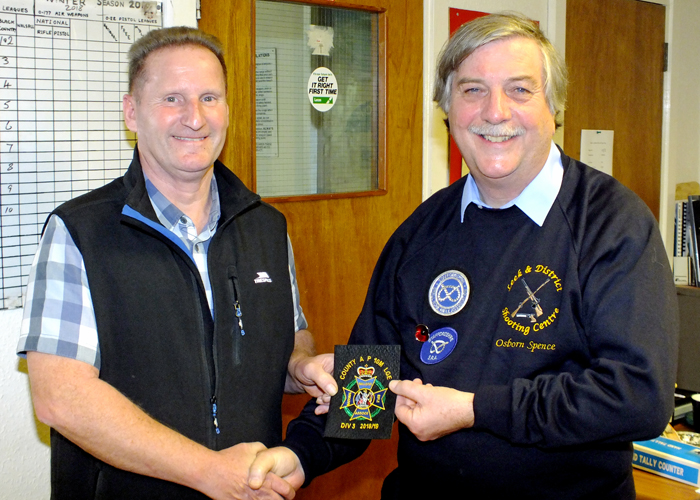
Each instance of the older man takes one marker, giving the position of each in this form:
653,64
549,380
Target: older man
162,308
533,302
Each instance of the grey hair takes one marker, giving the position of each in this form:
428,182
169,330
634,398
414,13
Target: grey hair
177,36
483,30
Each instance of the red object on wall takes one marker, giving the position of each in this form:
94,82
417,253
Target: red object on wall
457,18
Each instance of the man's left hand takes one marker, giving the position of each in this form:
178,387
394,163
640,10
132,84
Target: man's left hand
432,412
312,374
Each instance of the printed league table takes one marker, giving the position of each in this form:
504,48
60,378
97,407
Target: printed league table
63,73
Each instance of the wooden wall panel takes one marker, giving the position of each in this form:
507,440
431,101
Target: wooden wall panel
233,22
615,55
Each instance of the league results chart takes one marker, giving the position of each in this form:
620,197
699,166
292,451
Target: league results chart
63,72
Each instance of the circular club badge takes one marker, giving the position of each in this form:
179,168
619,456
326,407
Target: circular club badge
440,344
449,293
322,89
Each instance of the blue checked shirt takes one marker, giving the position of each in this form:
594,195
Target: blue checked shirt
58,313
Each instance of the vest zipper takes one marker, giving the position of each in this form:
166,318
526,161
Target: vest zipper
213,383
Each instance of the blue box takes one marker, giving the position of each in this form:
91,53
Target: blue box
668,458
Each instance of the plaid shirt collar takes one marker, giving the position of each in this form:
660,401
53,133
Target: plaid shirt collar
176,221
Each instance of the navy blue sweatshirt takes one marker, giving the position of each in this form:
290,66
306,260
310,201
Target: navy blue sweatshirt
568,340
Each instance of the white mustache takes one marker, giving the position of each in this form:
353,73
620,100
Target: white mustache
497,130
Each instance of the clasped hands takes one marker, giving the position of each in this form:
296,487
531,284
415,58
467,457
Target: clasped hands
274,473
429,412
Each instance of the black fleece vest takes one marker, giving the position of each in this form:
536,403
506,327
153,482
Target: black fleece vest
160,346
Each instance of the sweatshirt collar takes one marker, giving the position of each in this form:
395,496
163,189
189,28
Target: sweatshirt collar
535,200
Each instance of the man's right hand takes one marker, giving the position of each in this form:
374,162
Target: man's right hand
279,461
431,412
228,478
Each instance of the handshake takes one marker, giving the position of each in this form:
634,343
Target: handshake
274,472
429,412
251,470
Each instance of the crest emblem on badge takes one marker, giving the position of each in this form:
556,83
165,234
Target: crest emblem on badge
369,397
449,293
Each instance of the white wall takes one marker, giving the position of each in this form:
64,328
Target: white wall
684,141
24,442
682,103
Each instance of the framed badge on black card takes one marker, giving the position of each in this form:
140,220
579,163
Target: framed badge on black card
363,408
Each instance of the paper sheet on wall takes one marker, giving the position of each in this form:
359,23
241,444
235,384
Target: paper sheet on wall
63,75
266,139
597,149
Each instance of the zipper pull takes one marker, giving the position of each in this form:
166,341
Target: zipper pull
236,303
213,414
239,315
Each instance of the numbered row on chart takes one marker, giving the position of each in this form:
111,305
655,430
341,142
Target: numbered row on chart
37,119
64,110
41,132
50,183
108,155
49,78
43,182
62,45
32,111
65,71
65,138
15,219
79,152
31,225
27,153
16,250
44,130
42,30
24,232
20,174
32,46
37,57
13,212
82,159
34,85
28,239
31,192
44,201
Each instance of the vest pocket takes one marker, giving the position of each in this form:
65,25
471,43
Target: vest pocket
238,330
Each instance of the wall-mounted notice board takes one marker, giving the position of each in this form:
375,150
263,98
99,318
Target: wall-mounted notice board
63,73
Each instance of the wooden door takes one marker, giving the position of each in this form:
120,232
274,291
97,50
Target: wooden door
615,55
336,241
